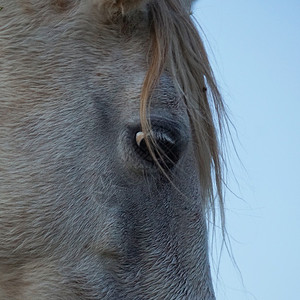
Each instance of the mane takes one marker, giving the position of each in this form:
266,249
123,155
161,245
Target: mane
176,44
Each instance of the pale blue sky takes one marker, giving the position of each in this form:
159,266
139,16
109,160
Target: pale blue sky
256,58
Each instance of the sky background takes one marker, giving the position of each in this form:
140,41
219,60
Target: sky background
254,48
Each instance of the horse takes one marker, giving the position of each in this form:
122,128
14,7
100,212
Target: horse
111,157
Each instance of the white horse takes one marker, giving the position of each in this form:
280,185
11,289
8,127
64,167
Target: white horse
109,155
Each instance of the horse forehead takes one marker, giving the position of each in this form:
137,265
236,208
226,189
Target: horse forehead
46,19
73,35
31,6
104,8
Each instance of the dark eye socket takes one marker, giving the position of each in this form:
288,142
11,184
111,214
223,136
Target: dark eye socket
167,152
168,139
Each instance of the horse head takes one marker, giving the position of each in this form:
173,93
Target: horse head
109,157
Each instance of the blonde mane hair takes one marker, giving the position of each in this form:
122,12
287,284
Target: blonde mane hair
176,44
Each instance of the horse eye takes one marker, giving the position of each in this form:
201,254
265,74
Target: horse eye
168,144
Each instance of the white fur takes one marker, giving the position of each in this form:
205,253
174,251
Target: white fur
80,216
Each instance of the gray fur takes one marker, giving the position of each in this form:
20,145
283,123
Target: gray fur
80,216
